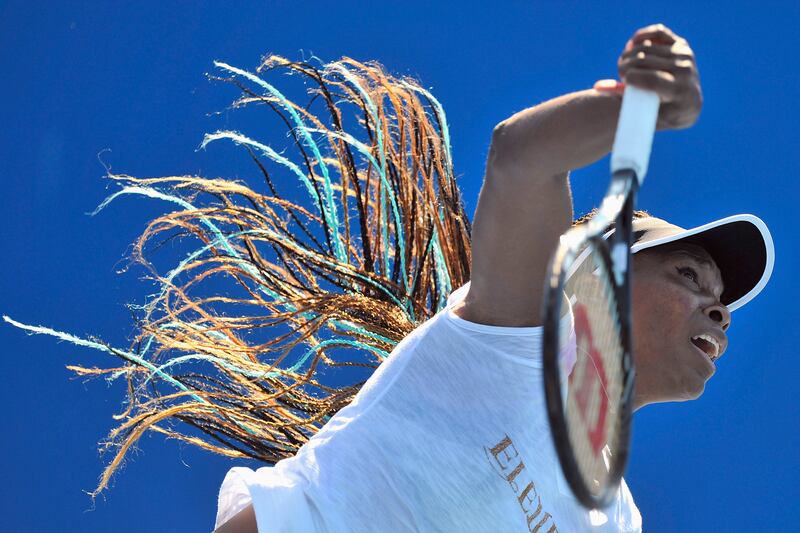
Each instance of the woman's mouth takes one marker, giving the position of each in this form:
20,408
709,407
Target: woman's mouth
708,345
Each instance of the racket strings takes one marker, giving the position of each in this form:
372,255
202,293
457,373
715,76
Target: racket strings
595,384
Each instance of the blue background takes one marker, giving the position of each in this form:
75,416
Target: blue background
128,77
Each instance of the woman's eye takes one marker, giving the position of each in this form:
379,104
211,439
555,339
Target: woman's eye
688,272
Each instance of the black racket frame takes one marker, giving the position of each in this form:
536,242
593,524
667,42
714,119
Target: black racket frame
554,289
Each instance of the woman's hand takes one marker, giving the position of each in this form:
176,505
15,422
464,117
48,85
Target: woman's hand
657,59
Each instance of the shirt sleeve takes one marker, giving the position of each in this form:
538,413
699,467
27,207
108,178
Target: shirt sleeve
279,501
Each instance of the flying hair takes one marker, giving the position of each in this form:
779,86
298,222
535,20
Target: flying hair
282,308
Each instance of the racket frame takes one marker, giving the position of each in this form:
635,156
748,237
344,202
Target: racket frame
617,207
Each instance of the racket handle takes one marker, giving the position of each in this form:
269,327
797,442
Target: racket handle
635,129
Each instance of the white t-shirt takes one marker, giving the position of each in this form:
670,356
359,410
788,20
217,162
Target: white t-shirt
449,434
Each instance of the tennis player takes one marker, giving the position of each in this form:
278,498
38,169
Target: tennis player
451,433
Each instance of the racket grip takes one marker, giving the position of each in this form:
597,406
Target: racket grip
635,129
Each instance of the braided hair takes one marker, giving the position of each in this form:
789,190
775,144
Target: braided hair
282,308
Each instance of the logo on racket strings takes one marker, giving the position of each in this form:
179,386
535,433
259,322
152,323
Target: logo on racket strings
588,381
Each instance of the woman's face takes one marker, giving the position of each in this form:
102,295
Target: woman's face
678,322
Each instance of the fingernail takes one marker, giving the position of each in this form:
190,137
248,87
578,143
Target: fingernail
606,85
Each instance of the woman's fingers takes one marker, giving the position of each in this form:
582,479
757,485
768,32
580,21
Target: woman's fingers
680,67
656,33
648,48
658,81
671,63
659,60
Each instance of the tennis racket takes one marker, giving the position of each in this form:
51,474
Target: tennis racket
588,365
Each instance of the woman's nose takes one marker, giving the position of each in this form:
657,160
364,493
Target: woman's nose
719,314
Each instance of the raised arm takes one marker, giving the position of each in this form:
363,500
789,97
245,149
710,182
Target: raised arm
525,202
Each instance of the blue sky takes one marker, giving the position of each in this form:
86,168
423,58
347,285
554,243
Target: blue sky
127,79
